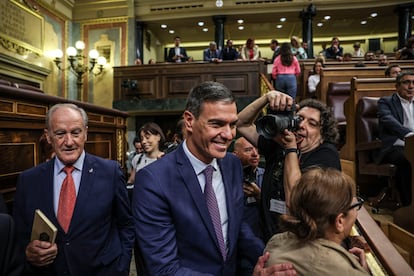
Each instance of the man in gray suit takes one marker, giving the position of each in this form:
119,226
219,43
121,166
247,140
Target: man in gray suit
396,121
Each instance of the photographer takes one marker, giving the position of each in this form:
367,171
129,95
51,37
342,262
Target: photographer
288,151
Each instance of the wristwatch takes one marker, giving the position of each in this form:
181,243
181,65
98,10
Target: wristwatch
297,151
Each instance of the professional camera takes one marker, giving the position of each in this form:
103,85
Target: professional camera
276,122
249,176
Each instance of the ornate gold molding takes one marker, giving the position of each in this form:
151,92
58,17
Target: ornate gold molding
15,47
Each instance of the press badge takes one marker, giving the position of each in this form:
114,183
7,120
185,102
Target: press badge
251,199
278,206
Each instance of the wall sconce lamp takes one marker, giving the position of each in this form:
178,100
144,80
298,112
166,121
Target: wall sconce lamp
76,59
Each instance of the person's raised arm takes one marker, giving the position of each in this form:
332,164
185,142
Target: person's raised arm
245,125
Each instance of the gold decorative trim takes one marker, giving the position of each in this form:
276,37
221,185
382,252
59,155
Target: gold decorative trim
14,47
120,147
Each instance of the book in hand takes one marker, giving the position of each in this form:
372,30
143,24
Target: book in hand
43,229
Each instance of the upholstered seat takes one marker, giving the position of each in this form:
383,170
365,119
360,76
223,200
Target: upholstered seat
367,144
337,94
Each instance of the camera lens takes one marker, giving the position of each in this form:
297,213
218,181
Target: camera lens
271,125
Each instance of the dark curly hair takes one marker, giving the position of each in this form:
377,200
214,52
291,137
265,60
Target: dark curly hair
329,128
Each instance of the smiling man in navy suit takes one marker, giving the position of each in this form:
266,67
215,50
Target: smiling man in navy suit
98,235
175,229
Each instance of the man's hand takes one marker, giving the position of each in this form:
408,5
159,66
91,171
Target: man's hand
284,269
41,253
251,189
279,101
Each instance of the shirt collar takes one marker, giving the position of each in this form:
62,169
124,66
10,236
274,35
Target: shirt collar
404,100
78,165
197,164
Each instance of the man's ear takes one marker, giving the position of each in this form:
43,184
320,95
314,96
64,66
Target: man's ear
188,118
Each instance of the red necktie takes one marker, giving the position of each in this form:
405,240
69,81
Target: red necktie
67,199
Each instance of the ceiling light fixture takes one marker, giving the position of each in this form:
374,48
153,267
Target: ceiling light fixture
241,28
374,14
163,26
320,24
205,29
363,22
327,17
240,21
201,23
219,3
279,26
283,19
171,31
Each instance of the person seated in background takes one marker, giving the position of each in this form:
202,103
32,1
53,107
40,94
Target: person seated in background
322,213
322,53
229,52
347,57
314,79
288,151
138,61
131,154
151,61
407,52
212,54
392,71
250,51
382,60
274,46
296,49
252,183
396,122
178,53
152,140
358,51
335,51
369,56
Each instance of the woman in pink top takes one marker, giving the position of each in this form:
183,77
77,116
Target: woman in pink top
285,70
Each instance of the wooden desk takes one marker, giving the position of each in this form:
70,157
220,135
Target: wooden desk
404,217
389,258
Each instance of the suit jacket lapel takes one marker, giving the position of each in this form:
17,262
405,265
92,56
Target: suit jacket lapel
47,192
228,187
186,171
86,184
398,108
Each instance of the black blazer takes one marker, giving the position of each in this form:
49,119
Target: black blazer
171,54
391,119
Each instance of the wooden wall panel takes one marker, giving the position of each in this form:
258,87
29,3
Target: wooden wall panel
22,120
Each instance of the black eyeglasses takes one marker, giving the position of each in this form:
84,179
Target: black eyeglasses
407,82
357,204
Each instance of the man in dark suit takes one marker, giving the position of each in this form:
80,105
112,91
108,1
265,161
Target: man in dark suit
229,52
175,227
396,121
178,53
97,235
